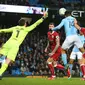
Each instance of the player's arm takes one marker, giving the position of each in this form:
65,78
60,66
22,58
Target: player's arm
7,30
30,28
82,29
59,26
57,45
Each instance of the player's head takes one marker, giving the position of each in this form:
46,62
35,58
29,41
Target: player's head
22,22
51,26
67,13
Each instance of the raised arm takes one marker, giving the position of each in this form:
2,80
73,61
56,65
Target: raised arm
7,30
59,26
30,28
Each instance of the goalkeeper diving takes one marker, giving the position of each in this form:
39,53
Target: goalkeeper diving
11,47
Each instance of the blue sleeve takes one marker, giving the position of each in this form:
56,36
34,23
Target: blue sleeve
59,26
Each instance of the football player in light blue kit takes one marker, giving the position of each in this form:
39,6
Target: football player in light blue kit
71,26
76,52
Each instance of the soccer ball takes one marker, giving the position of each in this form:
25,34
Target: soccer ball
62,11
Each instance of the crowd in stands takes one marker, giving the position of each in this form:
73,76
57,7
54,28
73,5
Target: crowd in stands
70,4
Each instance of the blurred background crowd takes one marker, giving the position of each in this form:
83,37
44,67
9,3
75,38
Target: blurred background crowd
71,4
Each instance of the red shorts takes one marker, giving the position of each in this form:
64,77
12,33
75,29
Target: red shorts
56,55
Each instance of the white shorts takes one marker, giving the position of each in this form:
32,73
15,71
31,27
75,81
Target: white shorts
76,54
72,40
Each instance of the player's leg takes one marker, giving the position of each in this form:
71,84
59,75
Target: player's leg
64,57
3,51
59,66
79,61
79,56
2,61
70,64
66,45
82,63
82,66
10,57
50,65
79,44
72,57
4,66
55,59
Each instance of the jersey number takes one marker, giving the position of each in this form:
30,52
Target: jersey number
17,33
71,24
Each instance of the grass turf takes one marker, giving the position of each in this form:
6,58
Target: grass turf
40,81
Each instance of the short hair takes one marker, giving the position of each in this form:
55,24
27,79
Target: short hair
22,22
51,23
67,13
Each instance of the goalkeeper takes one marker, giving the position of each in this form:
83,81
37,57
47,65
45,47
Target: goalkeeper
11,47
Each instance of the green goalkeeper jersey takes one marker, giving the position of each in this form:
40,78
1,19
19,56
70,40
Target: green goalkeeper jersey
19,32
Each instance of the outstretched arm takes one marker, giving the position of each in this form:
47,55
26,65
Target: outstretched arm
30,28
7,30
59,26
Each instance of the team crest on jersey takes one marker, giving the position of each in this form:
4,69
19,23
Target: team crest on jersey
52,36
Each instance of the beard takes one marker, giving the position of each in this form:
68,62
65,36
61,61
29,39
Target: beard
50,30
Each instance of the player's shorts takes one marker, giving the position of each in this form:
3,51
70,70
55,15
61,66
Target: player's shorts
76,54
56,55
10,49
72,40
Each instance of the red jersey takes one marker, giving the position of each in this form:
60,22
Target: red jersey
52,39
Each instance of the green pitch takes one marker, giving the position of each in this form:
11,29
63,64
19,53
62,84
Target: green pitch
40,81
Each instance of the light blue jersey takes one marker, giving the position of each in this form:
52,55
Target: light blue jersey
68,24
76,49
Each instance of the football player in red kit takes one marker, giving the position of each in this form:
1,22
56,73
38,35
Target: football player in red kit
54,49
